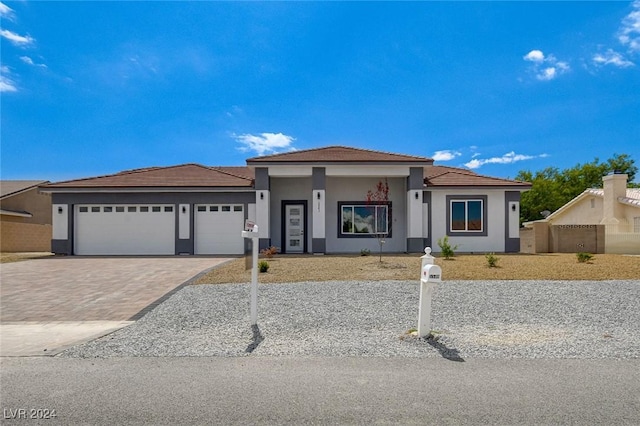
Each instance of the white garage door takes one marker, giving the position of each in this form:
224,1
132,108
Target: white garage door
218,229
116,229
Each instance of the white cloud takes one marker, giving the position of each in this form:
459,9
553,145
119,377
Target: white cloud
547,67
611,57
17,39
6,11
629,33
446,155
508,158
547,74
534,56
29,61
6,84
264,142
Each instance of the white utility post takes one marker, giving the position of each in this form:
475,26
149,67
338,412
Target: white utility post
430,275
251,231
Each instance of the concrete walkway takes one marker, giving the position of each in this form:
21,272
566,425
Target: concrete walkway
49,304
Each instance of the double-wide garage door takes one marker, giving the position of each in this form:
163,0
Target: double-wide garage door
150,229
115,230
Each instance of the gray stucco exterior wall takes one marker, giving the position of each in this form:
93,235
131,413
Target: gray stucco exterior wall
426,199
262,179
511,245
415,179
318,178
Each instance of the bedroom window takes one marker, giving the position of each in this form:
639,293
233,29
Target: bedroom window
467,215
362,220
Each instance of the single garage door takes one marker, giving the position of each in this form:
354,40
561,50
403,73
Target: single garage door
218,229
133,229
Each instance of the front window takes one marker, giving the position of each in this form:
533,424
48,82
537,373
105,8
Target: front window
364,220
467,215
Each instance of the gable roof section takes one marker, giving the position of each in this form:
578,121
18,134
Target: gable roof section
339,155
181,176
632,199
9,188
443,176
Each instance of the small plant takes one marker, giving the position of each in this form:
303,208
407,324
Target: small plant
269,252
492,260
448,251
263,266
584,257
365,252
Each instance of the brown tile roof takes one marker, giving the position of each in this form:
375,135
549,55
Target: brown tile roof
339,154
185,175
452,176
11,187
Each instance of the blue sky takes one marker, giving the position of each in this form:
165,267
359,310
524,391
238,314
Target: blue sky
91,88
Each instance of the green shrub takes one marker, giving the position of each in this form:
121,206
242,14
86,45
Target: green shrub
584,257
365,252
492,260
448,251
263,266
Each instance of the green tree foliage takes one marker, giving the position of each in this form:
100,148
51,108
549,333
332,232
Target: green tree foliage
552,188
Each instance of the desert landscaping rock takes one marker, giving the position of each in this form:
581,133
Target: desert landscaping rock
492,319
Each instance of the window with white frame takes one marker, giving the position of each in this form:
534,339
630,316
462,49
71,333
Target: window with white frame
364,220
467,215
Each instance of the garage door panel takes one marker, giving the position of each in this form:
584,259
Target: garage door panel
218,229
134,230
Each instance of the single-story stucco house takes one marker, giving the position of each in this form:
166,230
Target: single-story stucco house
25,216
614,208
308,201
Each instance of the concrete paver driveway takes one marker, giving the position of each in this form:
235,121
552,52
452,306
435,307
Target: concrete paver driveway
42,301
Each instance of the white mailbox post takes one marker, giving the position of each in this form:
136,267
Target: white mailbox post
431,274
251,231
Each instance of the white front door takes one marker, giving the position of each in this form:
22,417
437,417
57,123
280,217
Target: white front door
294,228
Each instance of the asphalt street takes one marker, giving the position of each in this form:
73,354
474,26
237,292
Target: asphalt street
337,390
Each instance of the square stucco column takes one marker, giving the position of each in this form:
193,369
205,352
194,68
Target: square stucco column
415,183
318,210
263,206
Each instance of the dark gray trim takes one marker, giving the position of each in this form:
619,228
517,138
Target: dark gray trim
485,230
263,243
61,247
426,199
415,245
416,178
511,245
319,245
262,182
318,178
417,163
283,219
363,203
519,188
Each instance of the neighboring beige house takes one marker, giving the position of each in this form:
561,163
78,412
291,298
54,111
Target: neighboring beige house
606,218
25,216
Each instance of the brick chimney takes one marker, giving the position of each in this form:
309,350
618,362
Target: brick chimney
615,186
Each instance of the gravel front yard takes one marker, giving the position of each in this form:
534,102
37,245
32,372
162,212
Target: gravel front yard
553,266
493,319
